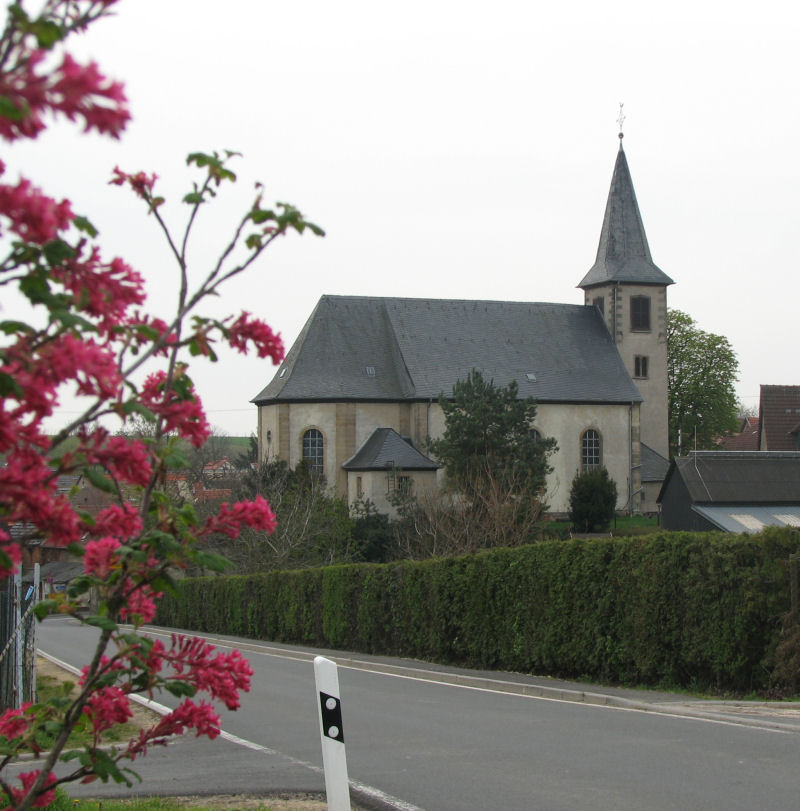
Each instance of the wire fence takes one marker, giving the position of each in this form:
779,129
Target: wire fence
17,642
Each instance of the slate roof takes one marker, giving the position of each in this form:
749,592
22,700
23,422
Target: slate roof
623,254
739,477
780,415
385,448
654,465
370,348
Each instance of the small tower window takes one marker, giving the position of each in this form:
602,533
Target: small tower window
640,366
640,313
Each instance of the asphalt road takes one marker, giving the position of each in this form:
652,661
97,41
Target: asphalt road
416,740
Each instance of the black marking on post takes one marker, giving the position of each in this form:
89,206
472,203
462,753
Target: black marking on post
331,717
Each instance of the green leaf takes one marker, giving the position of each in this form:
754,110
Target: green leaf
180,689
71,320
47,33
104,623
262,215
44,608
13,327
213,561
56,251
9,387
82,224
10,110
193,198
98,480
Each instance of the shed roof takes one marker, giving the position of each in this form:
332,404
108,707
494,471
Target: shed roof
739,477
370,348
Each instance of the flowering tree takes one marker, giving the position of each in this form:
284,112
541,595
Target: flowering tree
89,332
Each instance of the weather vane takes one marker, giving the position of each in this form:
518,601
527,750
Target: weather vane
621,121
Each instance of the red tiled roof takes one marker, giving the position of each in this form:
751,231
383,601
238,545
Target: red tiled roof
780,413
746,440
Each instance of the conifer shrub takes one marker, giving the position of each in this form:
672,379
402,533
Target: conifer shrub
592,499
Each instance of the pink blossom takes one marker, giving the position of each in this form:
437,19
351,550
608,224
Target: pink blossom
140,604
140,182
107,707
76,91
12,552
222,675
267,343
184,415
14,723
120,520
34,216
102,291
28,779
100,558
229,520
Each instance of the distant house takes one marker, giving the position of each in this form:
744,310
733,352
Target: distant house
732,491
747,438
367,371
780,418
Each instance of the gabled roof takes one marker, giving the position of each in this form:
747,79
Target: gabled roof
385,448
623,254
365,348
742,477
780,415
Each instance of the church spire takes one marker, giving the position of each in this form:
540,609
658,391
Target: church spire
623,254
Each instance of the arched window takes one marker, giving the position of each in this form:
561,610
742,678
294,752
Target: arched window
590,449
535,434
312,450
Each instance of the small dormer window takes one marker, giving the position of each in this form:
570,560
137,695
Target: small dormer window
531,377
370,370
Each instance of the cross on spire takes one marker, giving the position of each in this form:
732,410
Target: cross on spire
621,121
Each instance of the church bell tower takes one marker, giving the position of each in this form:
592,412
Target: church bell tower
630,291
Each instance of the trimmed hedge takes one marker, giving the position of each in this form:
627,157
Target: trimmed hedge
683,609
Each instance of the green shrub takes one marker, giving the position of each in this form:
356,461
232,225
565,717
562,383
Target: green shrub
669,608
592,499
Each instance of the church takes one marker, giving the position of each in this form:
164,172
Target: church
357,394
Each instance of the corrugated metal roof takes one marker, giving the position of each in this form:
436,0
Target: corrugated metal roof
749,517
418,348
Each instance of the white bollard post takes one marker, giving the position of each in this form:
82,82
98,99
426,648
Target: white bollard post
334,760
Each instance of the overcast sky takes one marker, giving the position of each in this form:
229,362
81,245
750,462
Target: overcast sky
457,150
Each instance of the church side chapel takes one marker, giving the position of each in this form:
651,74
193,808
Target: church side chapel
357,394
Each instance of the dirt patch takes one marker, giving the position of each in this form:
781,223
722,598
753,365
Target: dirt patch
281,802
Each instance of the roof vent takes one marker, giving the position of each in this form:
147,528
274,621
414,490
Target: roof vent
370,370
531,377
